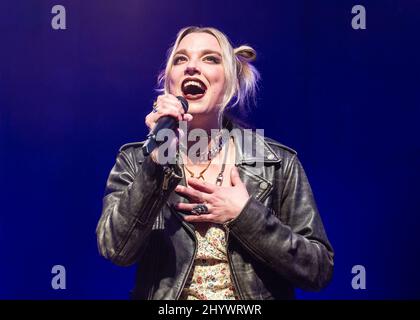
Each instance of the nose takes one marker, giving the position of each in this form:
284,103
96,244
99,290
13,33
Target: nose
191,69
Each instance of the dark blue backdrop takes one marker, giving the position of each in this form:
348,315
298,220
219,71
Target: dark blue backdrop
347,100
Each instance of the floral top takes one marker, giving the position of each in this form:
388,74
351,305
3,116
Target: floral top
210,277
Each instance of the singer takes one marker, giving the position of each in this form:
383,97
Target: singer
235,219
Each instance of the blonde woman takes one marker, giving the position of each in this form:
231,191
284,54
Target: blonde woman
218,224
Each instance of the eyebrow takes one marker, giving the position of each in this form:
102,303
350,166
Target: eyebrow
204,52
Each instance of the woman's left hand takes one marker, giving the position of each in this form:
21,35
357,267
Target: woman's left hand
223,203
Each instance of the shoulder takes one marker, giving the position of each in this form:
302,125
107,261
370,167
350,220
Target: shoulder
132,152
287,156
277,145
271,146
131,146
274,150
282,151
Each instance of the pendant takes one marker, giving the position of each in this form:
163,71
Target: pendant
219,179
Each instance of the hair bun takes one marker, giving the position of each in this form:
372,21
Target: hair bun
246,53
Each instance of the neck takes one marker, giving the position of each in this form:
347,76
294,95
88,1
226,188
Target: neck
206,122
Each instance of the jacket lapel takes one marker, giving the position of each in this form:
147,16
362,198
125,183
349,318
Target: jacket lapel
253,155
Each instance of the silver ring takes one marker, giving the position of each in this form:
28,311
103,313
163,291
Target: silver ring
200,209
155,107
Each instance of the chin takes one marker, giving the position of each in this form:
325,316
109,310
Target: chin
197,106
196,109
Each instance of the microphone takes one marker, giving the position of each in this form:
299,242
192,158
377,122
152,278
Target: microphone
165,122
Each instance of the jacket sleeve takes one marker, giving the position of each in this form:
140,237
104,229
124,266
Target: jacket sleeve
289,238
135,193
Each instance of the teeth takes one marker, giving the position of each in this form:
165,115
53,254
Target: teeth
193,83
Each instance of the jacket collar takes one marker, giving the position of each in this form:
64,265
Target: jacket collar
251,146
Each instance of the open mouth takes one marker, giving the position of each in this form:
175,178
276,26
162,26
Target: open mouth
193,88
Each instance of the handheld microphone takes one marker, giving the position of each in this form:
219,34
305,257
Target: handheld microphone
166,122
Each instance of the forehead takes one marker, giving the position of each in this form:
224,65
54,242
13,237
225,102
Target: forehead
197,42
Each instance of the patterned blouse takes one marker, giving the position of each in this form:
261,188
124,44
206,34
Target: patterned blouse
210,277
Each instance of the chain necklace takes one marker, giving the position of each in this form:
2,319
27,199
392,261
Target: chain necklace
216,146
200,175
219,179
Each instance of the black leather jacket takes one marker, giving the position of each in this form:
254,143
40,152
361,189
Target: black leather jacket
276,243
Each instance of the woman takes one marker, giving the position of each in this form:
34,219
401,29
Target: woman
226,225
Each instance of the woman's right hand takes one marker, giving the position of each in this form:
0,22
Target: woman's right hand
166,105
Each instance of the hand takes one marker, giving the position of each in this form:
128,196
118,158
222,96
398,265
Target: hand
166,105
224,203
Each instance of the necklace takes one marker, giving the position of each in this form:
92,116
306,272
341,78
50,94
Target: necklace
219,179
216,145
200,175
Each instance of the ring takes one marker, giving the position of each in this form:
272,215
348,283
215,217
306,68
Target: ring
155,109
200,209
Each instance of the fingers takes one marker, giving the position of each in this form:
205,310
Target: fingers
189,206
163,110
201,185
201,218
187,117
191,194
166,105
234,176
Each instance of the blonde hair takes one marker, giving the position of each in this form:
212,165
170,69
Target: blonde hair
241,77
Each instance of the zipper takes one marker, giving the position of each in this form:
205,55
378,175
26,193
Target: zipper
193,259
155,247
167,175
149,209
152,289
232,271
191,231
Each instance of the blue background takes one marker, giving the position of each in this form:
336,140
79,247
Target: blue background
347,100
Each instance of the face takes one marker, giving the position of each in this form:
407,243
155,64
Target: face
197,73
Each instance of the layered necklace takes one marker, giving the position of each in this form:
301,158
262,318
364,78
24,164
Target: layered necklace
216,146
210,155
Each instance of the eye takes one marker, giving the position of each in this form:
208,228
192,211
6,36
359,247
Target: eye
213,59
178,59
